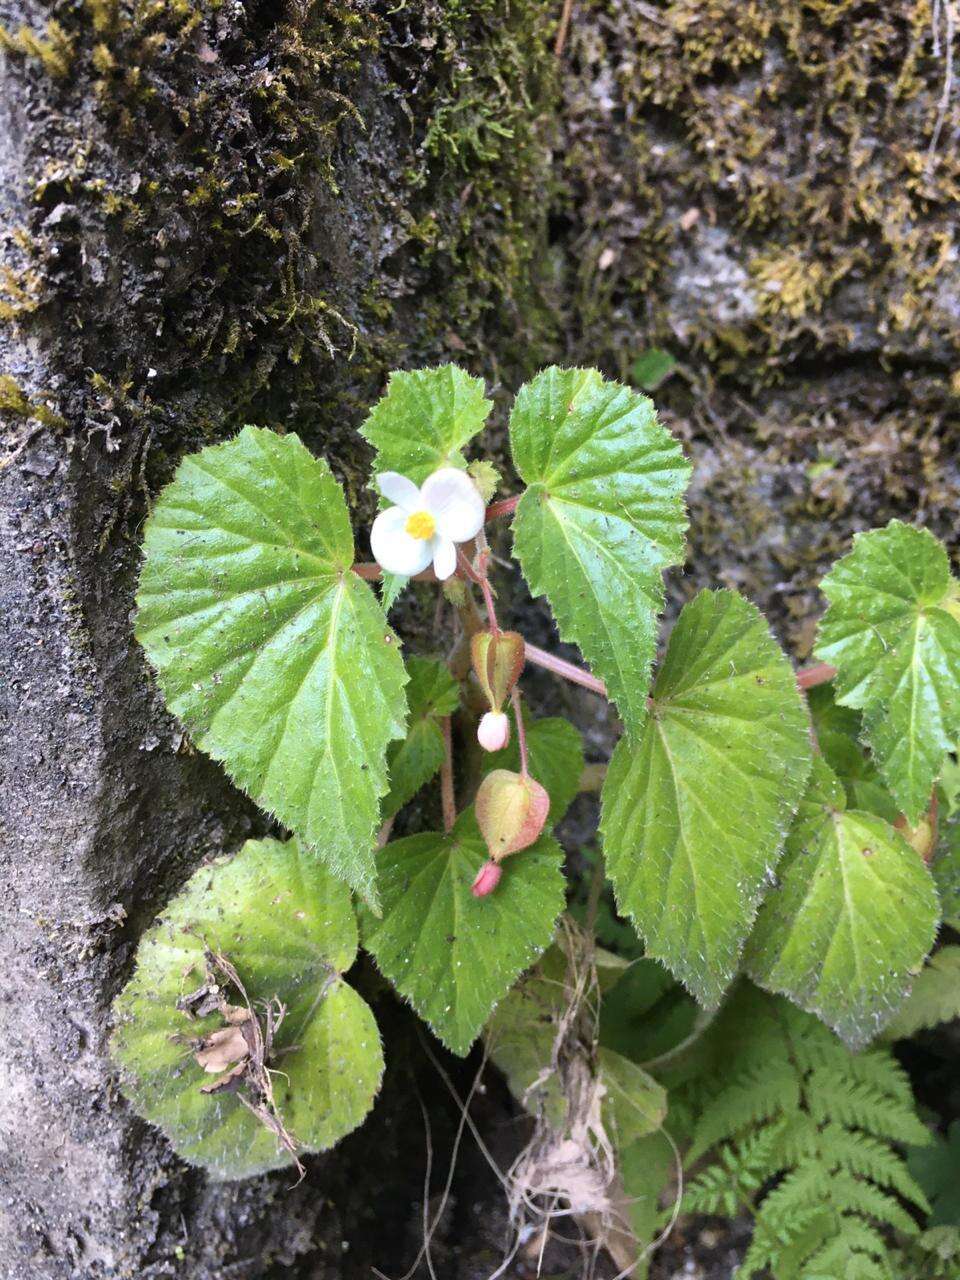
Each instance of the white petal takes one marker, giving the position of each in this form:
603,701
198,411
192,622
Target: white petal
394,549
444,558
454,501
397,488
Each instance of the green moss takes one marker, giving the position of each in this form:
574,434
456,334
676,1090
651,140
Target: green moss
809,132
53,50
14,403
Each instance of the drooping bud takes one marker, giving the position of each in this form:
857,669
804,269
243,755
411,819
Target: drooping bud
497,661
488,877
511,811
493,732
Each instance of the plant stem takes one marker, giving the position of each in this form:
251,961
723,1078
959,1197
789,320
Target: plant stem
447,798
563,28
481,577
372,571
521,729
807,677
505,507
819,673
593,897
567,670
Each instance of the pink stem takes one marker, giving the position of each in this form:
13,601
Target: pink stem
505,507
481,577
567,670
521,729
810,677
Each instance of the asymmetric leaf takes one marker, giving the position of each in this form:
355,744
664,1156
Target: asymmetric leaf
453,956
287,927
602,517
424,419
431,694
853,916
892,631
696,808
276,657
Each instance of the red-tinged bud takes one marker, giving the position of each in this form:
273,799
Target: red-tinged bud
493,732
488,877
511,811
498,661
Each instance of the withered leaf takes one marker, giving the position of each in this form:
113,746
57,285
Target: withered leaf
222,1048
226,1080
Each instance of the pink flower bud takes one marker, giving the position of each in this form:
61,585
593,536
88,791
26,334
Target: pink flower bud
493,733
488,877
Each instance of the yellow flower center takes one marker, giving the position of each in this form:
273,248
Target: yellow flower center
421,525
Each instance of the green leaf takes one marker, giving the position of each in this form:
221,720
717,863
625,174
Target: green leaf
451,955
854,915
391,584
287,927
424,419
521,1037
896,647
950,788
637,1104
645,1169
937,1168
602,517
521,1033
695,810
935,996
275,656
652,367
431,693
555,751
871,797
946,872
647,1013
837,731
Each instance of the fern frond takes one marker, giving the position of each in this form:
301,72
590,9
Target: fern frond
840,1259
786,1248
754,1097
855,1235
736,1176
852,1195
860,1104
879,1068
803,1132
861,1153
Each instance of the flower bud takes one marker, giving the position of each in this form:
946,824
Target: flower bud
493,732
511,811
497,660
488,877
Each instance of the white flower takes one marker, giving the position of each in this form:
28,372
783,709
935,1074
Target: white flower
427,523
